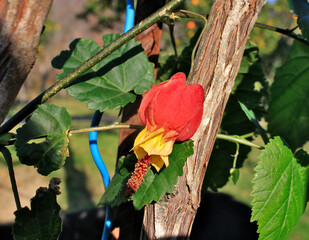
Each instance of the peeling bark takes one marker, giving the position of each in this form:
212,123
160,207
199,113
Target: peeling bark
216,66
21,24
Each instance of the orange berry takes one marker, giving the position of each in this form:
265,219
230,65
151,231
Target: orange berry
190,25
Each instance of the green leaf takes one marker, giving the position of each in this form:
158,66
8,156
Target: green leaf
52,123
114,194
42,221
301,9
109,84
156,185
250,88
279,191
288,109
249,113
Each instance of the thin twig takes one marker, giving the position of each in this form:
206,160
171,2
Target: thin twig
287,32
8,158
104,128
71,77
237,139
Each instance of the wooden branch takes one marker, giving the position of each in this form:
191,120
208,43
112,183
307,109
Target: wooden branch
216,66
21,25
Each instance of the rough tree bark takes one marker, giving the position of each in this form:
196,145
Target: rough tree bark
21,24
216,66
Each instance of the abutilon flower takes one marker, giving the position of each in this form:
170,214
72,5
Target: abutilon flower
171,111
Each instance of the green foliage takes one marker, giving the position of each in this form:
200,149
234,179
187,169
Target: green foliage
288,108
301,9
114,194
49,122
250,88
42,221
154,186
158,184
279,191
109,84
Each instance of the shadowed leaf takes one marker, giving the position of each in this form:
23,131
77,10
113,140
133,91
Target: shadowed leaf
51,123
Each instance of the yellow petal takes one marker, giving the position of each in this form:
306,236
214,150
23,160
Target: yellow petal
157,162
140,152
155,145
145,136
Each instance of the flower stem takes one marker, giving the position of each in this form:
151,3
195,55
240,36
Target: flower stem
104,128
69,79
237,139
8,158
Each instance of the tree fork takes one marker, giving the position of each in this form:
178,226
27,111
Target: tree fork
216,65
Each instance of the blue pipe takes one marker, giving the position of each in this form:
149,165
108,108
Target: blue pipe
93,136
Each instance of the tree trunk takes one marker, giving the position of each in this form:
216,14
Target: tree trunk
216,66
21,25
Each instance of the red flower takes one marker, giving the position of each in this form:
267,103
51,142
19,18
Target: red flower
171,111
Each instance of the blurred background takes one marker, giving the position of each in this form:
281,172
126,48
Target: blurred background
81,184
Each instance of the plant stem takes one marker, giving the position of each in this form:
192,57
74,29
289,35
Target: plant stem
247,135
114,126
8,158
287,32
236,155
237,139
69,79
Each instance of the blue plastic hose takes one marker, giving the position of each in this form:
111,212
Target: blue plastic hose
93,136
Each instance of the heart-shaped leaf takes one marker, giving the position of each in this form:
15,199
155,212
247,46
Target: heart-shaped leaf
109,84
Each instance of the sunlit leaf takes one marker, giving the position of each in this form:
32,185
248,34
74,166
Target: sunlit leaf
110,83
279,191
